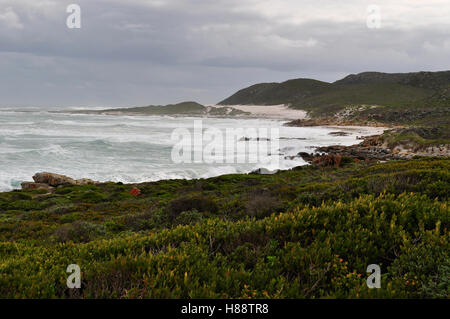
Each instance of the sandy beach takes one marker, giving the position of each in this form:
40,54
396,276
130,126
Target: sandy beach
282,111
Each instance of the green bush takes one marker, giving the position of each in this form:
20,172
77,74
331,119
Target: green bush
313,236
199,203
79,232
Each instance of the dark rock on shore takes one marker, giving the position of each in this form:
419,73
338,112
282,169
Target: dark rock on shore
362,153
381,148
248,139
371,149
333,121
339,134
307,156
263,171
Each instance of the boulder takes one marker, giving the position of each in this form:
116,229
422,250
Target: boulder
33,186
264,171
339,134
53,179
85,181
306,156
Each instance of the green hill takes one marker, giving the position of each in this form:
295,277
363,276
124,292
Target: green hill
289,92
416,91
183,108
180,109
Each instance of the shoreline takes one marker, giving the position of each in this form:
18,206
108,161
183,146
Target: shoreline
266,112
327,121
68,181
369,149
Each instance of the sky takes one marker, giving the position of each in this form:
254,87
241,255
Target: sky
146,52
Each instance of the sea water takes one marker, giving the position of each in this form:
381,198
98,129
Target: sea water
132,149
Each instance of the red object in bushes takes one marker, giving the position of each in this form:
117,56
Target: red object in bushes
135,191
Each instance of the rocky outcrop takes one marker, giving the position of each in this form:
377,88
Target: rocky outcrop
34,186
56,180
307,157
333,121
264,171
49,181
362,153
339,133
85,181
372,148
378,148
53,179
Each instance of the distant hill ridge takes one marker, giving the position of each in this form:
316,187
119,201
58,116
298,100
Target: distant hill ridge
418,89
181,109
417,79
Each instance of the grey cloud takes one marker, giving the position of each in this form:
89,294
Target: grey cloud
143,52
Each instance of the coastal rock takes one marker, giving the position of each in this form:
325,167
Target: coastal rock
258,139
85,181
360,152
339,134
34,186
326,121
264,171
53,179
306,156
330,160
371,149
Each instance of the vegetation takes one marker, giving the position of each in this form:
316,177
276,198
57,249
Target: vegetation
406,98
309,232
418,138
180,109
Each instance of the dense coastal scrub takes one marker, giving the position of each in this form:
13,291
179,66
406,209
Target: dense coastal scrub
305,233
417,104
369,96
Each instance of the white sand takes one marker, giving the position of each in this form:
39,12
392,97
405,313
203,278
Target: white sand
269,111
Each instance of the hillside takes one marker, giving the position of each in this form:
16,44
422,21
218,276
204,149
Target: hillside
288,92
180,109
305,233
425,94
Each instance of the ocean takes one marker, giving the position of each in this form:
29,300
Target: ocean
132,149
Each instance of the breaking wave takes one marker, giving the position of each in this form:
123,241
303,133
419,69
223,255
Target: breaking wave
129,149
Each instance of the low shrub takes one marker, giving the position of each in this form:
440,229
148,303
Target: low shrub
199,203
261,206
78,232
305,233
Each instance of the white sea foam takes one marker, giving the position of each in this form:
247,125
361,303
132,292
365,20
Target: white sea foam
130,149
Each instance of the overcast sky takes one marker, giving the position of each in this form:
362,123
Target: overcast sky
141,52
